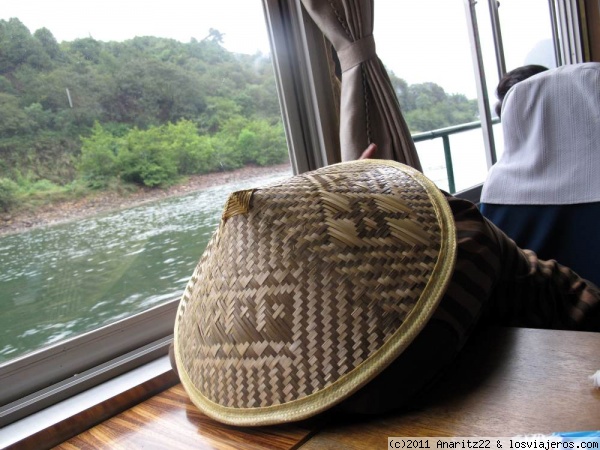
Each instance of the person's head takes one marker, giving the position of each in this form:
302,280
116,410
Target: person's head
513,77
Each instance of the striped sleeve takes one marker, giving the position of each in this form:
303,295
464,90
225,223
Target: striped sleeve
478,265
541,294
496,282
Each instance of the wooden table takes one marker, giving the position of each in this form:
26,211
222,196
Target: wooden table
507,382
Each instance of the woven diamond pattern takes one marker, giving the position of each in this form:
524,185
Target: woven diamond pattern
307,285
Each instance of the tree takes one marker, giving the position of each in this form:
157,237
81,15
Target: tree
218,112
262,143
87,48
99,157
19,47
8,194
426,106
402,92
146,159
48,42
194,153
13,120
214,35
148,92
37,117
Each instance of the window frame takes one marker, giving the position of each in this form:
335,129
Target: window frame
305,91
54,373
570,31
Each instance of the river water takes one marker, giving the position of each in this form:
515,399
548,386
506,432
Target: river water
59,281
63,280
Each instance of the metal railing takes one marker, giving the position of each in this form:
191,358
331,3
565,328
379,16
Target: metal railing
444,134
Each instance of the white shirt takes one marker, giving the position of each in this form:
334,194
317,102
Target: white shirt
551,125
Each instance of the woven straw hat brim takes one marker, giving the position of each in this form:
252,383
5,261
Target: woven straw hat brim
224,388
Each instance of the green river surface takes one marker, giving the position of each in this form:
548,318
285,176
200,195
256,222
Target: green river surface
59,281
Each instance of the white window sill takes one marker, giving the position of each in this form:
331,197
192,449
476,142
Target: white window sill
70,417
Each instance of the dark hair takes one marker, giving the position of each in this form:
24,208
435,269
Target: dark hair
513,77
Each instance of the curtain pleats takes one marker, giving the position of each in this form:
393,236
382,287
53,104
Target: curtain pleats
369,109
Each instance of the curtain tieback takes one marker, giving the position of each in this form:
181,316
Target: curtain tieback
357,52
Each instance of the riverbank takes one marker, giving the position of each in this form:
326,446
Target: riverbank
65,211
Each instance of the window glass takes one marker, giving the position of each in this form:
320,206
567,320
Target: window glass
123,127
426,49
527,33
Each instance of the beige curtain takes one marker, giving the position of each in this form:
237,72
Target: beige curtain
369,109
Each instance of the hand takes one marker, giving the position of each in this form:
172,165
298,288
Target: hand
369,152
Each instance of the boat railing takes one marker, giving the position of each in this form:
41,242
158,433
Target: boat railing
444,134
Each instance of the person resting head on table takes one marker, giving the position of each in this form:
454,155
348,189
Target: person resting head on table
353,288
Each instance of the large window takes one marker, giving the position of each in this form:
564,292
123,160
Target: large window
123,128
129,123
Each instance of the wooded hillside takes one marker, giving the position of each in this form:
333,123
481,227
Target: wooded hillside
149,110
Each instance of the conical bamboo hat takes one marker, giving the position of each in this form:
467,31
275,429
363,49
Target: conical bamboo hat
310,288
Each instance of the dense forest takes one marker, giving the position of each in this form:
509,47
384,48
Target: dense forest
87,114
